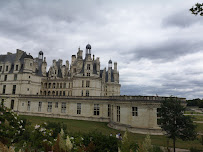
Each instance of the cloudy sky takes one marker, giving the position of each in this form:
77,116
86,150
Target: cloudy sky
158,44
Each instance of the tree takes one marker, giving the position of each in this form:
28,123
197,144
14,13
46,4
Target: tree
174,122
198,9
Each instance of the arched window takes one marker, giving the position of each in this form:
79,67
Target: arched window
45,93
49,85
49,93
53,93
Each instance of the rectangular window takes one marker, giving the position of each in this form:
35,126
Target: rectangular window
74,70
15,77
60,85
109,110
78,108
63,107
96,109
64,93
64,85
60,93
4,89
14,89
12,104
88,66
39,106
56,105
28,105
87,83
5,78
88,74
87,93
49,108
118,114
158,116
2,101
16,67
82,83
82,93
0,68
134,111
7,68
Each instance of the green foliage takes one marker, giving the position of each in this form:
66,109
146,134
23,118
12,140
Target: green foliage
156,149
195,102
56,127
125,144
197,9
11,127
193,149
102,143
36,138
173,121
147,145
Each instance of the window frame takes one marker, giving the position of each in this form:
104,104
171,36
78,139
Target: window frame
134,111
96,110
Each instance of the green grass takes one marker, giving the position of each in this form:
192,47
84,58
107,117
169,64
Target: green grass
192,112
75,126
197,117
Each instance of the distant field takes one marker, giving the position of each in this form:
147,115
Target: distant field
192,112
197,117
74,126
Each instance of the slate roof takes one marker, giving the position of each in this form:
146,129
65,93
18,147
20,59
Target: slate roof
11,58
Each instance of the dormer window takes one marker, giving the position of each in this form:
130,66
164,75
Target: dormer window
16,67
88,66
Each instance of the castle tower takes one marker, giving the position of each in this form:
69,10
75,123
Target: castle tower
40,55
110,64
88,51
44,67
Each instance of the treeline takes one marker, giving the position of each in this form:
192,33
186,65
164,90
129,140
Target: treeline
195,102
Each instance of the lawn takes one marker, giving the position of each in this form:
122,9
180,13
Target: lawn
197,117
75,126
192,112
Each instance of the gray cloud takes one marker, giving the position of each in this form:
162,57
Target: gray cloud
168,51
142,43
181,19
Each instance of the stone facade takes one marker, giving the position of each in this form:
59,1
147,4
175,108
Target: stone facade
77,91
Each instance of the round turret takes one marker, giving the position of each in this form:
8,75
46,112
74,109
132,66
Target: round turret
88,46
40,56
41,53
110,62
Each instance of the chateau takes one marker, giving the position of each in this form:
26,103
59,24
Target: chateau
77,90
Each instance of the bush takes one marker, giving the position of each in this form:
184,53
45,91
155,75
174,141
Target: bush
156,149
56,127
193,149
